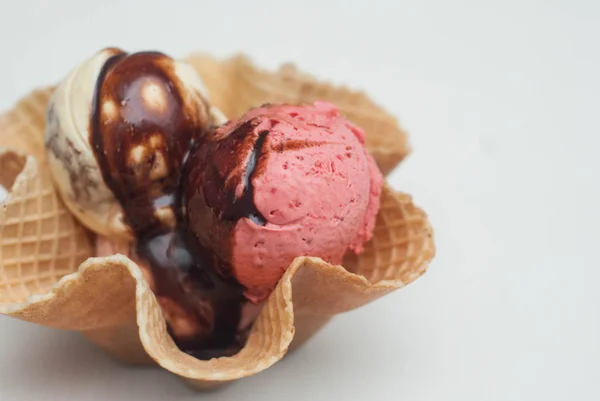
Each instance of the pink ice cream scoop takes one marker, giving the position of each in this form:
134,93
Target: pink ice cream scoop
280,182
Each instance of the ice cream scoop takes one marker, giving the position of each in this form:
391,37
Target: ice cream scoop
280,182
119,127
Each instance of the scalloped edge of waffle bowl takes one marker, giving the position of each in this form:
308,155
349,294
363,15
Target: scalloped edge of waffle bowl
236,85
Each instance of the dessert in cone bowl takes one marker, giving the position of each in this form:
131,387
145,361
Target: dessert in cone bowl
52,273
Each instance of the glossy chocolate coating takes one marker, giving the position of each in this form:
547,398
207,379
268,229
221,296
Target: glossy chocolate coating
215,170
212,304
141,131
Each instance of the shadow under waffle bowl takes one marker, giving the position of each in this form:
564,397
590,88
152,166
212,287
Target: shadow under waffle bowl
48,274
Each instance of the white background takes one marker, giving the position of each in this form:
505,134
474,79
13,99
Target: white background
502,103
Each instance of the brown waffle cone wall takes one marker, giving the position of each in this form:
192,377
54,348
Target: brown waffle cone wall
109,301
236,85
40,241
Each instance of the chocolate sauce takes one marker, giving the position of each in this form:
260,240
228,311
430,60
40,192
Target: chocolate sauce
244,206
211,303
141,130
219,189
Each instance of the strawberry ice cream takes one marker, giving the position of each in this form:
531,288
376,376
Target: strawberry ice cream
280,182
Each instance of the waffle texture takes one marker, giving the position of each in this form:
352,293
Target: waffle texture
40,241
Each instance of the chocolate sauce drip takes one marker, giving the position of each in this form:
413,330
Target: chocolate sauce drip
141,131
244,205
232,162
219,189
209,304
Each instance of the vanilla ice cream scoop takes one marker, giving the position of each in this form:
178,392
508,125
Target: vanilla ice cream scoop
119,128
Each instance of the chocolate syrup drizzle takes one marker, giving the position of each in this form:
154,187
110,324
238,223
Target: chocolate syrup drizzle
142,149
244,206
211,203
223,158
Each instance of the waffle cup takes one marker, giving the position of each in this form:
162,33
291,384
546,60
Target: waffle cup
48,275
